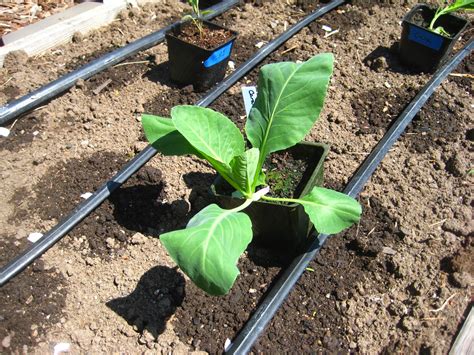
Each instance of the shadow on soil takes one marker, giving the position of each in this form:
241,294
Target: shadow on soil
142,208
159,73
155,298
386,59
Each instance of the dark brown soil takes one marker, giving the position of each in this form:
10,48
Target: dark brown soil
315,306
283,174
214,319
23,132
137,206
208,38
376,109
421,21
122,74
161,105
352,20
437,124
465,70
286,174
31,302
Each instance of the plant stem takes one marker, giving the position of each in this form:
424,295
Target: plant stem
255,197
438,14
242,206
278,199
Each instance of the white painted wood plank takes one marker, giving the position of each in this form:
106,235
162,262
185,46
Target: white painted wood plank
66,15
59,28
464,344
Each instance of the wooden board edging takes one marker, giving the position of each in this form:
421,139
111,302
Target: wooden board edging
58,29
464,343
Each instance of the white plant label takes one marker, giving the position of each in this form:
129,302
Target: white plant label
250,95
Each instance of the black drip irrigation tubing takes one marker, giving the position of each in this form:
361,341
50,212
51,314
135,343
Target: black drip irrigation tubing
28,256
283,286
34,99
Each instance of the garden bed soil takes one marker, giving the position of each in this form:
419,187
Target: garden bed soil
400,281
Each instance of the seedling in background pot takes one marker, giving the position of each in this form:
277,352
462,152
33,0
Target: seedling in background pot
290,98
197,14
448,8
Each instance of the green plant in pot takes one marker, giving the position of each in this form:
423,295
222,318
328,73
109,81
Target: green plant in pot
198,50
448,7
290,98
196,15
429,34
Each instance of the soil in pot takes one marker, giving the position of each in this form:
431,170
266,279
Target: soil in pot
208,38
286,174
199,56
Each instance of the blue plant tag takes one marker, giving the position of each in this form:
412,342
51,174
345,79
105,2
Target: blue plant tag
219,55
426,38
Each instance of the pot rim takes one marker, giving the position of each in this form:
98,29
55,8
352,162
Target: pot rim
409,16
177,28
306,188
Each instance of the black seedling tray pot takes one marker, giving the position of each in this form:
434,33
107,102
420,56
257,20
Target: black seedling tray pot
281,226
191,64
422,49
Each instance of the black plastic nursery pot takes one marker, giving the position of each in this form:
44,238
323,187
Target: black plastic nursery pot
191,64
423,49
281,226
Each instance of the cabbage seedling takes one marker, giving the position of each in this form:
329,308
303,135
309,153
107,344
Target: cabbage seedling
456,6
197,14
290,98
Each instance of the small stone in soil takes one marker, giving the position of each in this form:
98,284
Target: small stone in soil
388,250
35,236
6,341
61,348
4,132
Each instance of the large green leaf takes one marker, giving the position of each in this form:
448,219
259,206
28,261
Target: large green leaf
330,211
162,134
244,168
208,131
290,98
208,249
460,5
